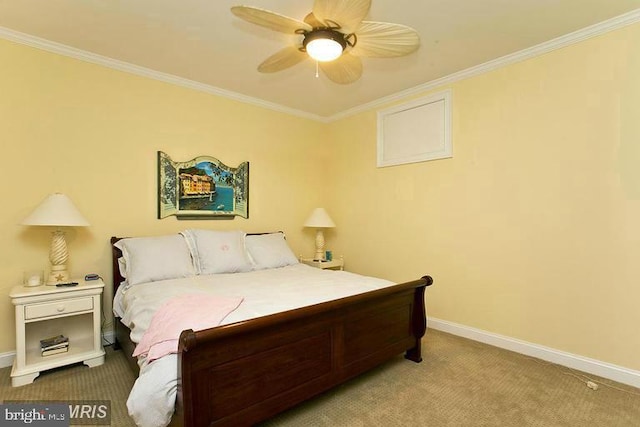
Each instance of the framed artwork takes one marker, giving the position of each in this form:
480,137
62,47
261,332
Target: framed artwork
200,188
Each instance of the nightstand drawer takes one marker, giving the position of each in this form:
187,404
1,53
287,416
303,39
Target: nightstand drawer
55,308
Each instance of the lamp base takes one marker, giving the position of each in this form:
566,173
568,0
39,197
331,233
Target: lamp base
319,256
58,274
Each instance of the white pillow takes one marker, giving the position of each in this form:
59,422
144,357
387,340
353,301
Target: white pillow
122,265
218,251
269,251
149,259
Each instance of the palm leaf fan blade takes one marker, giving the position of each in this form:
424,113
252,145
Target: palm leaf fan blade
273,21
347,13
344,70
313,21
281,60
385,40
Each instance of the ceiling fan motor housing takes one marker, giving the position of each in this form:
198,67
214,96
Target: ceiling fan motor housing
324,33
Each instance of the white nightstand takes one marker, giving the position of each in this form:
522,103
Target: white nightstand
336,264
46,311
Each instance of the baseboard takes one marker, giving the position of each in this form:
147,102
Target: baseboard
585,364
6,359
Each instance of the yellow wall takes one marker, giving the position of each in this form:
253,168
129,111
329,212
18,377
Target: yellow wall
532,229
93,133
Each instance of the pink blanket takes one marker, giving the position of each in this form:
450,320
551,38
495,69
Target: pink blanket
197,312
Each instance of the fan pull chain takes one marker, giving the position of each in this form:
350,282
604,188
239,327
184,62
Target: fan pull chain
317,68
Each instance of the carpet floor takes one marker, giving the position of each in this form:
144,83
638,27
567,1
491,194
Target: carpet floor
459,383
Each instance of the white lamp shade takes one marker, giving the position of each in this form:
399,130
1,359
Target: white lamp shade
319,218
56,210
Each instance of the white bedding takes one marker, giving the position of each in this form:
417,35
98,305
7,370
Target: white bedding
152,399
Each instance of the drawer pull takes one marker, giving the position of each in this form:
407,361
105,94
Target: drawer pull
60,308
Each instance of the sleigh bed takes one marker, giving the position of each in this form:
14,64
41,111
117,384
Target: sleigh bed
247,371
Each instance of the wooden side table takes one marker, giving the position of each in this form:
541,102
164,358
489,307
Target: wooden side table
336,264
46,311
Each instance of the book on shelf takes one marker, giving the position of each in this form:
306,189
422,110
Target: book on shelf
53,347
51,351
54,342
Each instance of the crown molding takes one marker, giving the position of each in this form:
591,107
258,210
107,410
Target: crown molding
540,49
532,52
83,55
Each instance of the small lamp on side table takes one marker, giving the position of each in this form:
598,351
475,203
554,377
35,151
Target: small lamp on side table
57,210
319,219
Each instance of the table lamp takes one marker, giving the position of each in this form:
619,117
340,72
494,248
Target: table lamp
319,219
57,210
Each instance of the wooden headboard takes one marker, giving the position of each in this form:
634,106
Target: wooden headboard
115,268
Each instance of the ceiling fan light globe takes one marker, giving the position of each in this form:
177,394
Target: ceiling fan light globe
324,50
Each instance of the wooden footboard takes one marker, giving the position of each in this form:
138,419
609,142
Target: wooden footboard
246,372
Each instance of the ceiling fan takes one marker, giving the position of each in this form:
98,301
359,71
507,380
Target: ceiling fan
335,35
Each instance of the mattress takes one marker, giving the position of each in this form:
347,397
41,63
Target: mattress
264,292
